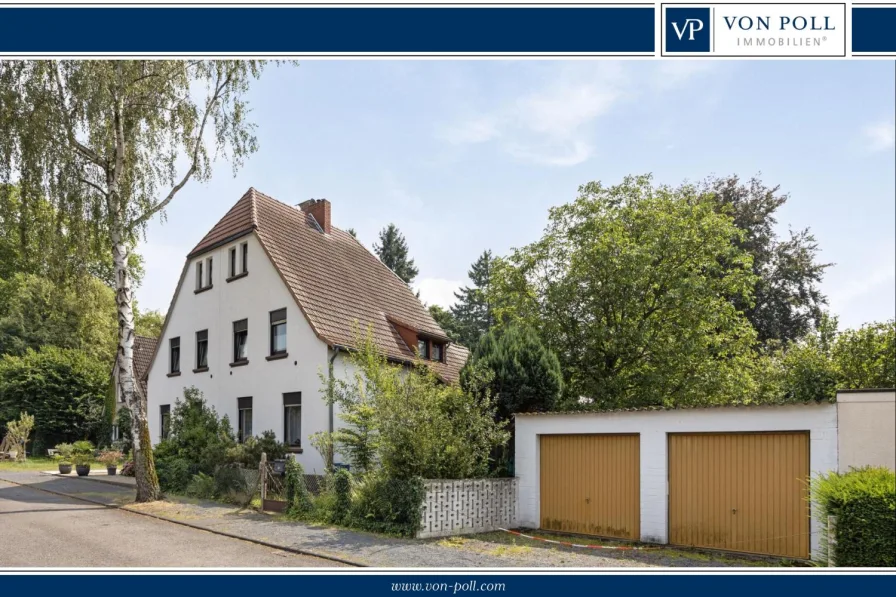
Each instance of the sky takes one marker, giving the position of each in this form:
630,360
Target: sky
465,156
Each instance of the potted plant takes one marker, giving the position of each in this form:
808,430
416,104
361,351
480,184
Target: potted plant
64,457
82,456
111,458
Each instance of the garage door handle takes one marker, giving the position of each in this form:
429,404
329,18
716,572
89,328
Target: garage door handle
734,510
587,500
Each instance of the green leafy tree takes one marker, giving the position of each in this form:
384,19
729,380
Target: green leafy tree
38,239
63,388
630,287
148,323
102,141
866,357
473,309
19,431
35,312
393,251
446,321
786,301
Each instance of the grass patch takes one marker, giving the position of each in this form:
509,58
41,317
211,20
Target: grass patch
40,464
510,550
456,542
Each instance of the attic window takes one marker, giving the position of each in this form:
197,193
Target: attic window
437,351
423,348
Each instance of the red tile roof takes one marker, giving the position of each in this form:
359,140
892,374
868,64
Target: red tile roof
334,279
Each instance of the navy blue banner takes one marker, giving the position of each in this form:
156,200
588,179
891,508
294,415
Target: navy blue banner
729,585
874,29
348,30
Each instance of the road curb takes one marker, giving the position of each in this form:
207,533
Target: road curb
302,552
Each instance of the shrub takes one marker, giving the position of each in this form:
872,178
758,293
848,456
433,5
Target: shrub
63,388
175,473
411,423
198,442
298,499
64,453
236,484
82,453
249,452
201,486
110,457
864,502
342,491
388,505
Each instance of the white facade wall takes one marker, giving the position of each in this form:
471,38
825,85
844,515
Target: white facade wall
867,424
252,297
820,420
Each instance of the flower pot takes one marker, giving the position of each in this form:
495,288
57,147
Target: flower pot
82,469
65,469
112,470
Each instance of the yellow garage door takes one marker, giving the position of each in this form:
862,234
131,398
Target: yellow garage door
590,484
740,491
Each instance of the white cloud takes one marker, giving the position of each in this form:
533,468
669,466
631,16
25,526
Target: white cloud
880,136
437,291
553,124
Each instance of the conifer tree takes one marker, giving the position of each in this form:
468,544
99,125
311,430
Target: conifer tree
393,251
473,310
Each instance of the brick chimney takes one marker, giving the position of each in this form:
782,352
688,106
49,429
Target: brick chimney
319,210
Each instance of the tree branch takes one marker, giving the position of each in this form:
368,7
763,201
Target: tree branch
70,126
194,165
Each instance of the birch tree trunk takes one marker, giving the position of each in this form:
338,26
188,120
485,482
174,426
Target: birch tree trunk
144,466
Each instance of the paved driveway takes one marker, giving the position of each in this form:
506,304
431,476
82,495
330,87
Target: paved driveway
41,529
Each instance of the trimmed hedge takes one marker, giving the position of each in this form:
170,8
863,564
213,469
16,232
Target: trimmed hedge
864,502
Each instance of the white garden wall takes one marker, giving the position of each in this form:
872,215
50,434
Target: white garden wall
468,506
867,423
820,420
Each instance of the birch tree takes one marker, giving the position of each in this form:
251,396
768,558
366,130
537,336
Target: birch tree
111,144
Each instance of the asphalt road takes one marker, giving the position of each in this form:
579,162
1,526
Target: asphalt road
41,529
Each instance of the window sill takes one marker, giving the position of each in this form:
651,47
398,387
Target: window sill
175,374
200,370
198,290
277,357
294,450
236,277
239,363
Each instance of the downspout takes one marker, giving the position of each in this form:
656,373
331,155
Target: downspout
330,387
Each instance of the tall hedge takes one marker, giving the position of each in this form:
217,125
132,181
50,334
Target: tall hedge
65,390
864,502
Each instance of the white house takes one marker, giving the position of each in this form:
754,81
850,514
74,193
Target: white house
267,301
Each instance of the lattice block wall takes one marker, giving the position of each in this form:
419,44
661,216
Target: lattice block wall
468,506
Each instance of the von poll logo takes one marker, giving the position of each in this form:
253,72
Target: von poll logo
687,29
762,29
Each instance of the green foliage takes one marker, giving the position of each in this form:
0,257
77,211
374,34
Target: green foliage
298,499
236,484
201,486
342,488
248,453
631,287
35,312
864,502
82,452
866,357
322,441
410,423
19,430
110,457
148,323
64,453
65,390
389,505
393,252
785,302
473,314
525,375
198,441
123,420
446,321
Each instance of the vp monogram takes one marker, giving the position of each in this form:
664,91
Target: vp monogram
691,26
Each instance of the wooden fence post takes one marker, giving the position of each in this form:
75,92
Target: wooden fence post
263,471
832,541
